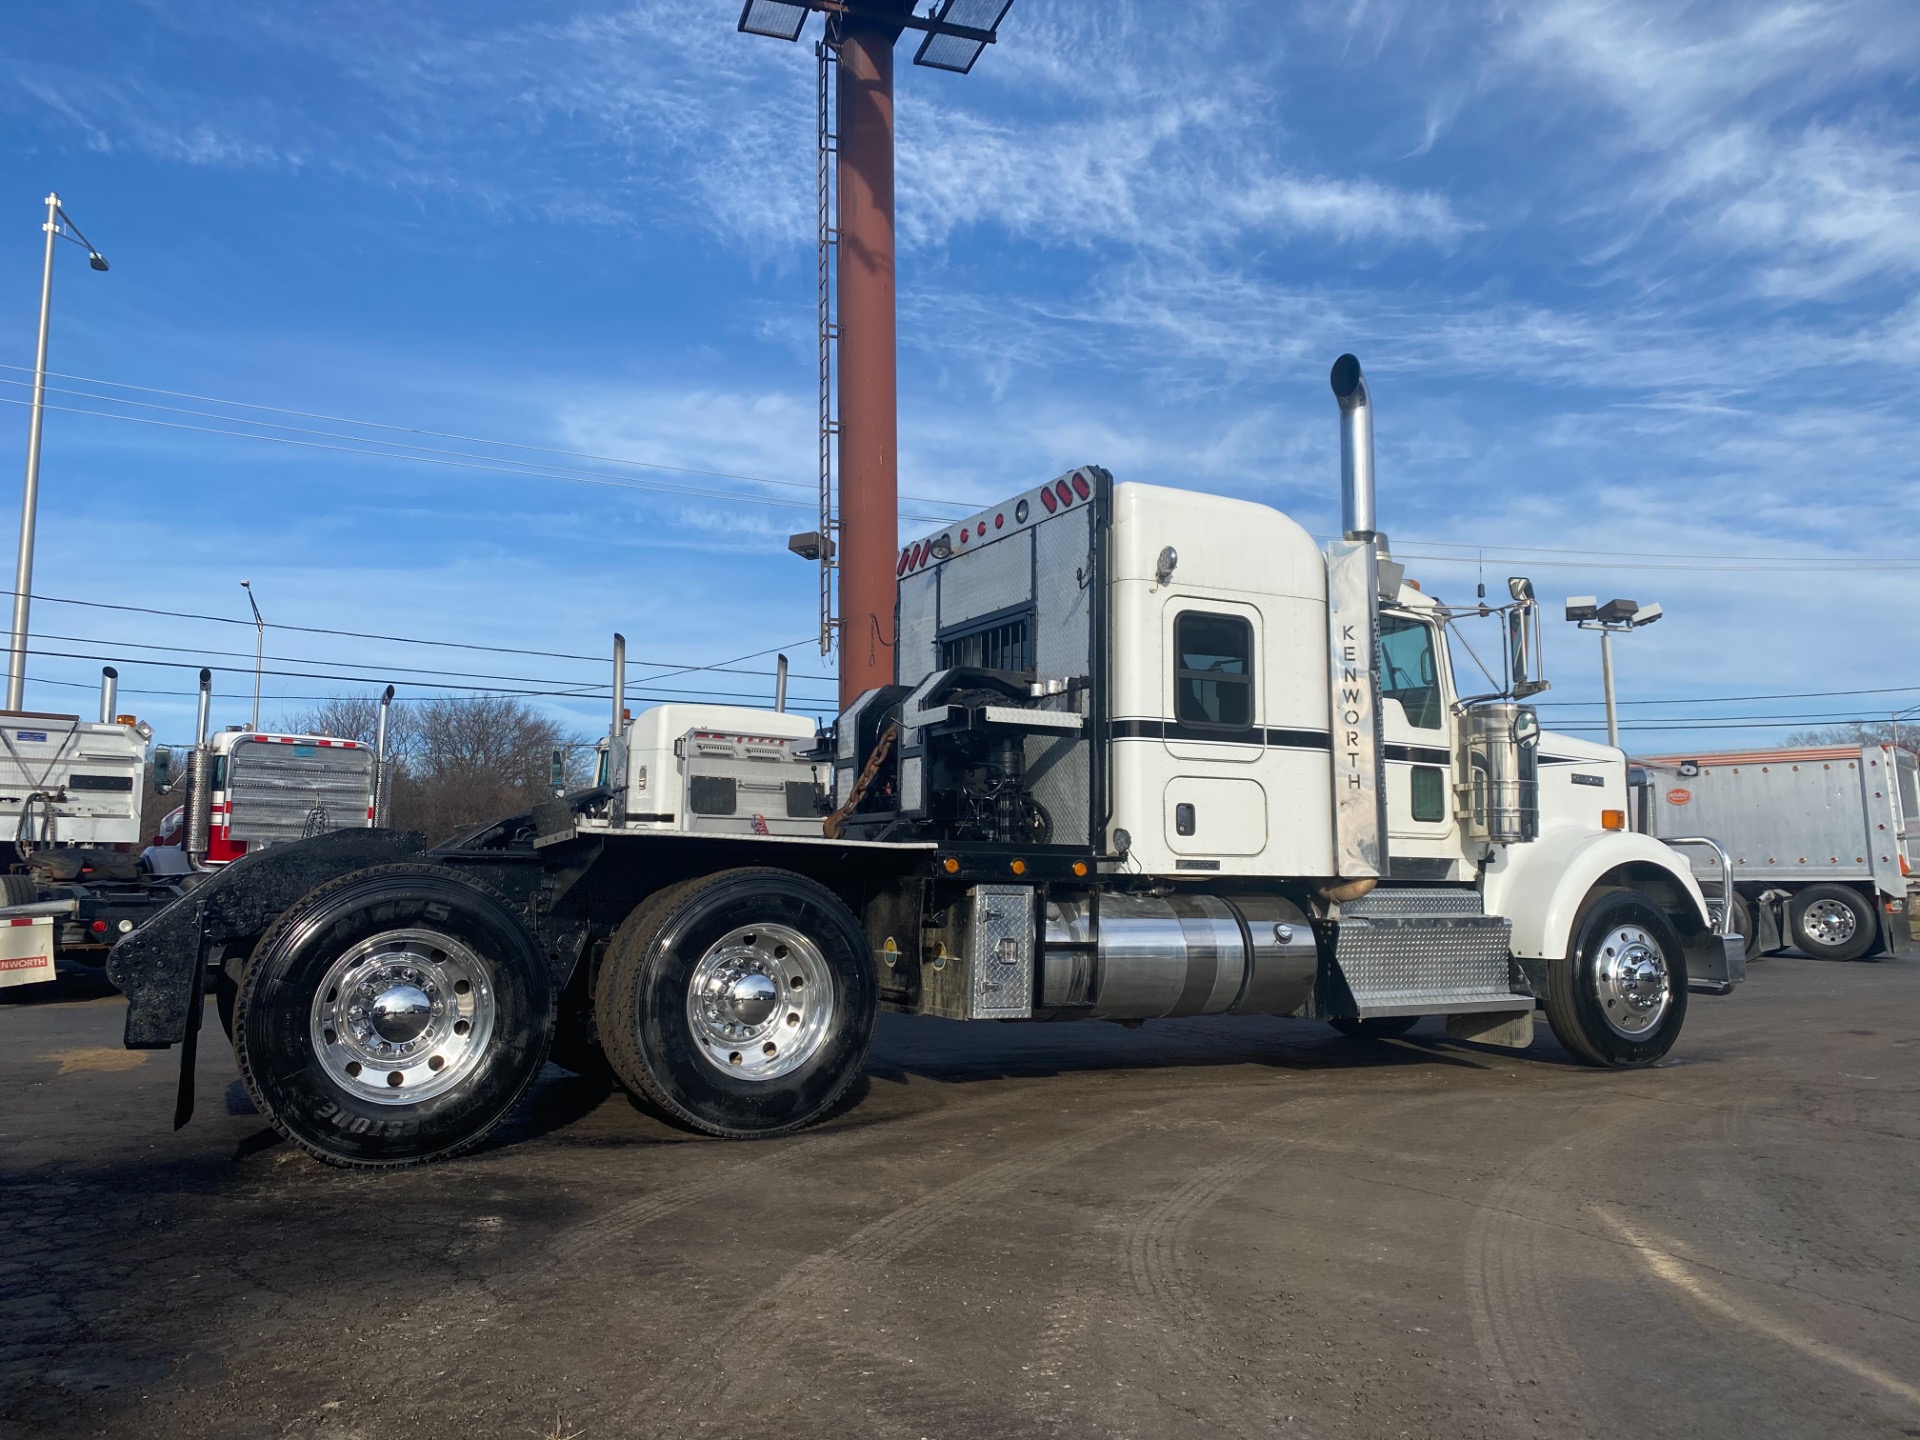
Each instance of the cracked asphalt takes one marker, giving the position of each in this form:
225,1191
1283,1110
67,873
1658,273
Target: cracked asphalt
1198,1228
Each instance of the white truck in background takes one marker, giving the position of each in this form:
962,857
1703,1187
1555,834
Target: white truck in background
1824,840
82,873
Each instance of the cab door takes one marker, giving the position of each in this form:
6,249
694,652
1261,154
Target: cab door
1417,725
1215,802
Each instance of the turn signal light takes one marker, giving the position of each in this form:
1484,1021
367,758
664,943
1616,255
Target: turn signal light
1613,819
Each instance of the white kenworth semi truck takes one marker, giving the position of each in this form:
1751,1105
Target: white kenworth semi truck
1150,753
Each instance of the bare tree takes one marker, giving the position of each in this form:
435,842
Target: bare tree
456,760
1902,735
351,717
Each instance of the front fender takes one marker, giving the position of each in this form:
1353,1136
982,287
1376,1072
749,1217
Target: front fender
1541,885
159,966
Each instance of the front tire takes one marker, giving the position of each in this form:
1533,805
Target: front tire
1831,922
740,1004
1620,999
393,1016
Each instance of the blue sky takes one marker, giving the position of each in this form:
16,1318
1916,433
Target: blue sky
1634,284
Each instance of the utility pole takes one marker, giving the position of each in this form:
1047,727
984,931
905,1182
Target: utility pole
30,497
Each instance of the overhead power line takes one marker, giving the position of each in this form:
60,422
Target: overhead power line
115,646
1728,699
808,485
674,666
370,446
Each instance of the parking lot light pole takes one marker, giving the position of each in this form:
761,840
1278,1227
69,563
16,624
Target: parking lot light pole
30,498
259,646
1616,617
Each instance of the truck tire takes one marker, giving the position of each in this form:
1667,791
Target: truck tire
740,1004
1620,999
392,1016
19,889
1832,922
1380,1027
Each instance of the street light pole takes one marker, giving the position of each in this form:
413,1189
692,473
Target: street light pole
1616,617
1606,682
259,645
30,498
30,501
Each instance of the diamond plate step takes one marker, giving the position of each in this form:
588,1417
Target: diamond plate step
1426,964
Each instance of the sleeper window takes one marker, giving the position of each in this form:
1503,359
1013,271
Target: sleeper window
1409,670
1213,671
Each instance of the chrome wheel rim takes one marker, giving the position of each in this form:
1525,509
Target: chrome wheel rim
1829,922
760,1002
403,1016
1634,986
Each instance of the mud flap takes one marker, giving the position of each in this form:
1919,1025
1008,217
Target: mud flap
190,1045
1716,963
1512,1028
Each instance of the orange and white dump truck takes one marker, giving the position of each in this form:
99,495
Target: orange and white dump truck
1824,840
1146,753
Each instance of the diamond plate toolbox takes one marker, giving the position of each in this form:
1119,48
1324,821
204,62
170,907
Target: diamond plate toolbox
982,966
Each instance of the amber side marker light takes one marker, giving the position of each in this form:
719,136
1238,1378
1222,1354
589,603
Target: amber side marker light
950,865
1613,819
1080,868
1019,867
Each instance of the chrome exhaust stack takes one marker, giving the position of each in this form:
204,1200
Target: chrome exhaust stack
109,693
1359,576
198,801
616,769
1357,515
377,809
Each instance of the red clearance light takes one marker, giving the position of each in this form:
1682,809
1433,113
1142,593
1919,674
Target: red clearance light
1046,499
900,567
1080,486
99,927
963,535
1065,492
916,554
998,521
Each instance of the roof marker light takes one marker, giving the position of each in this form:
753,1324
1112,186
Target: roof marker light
999,520
900,566
1065,492
1046,499
963,535
1080,486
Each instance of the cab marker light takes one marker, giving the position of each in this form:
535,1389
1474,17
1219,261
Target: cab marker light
1613,819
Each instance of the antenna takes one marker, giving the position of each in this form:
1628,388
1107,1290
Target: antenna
857,309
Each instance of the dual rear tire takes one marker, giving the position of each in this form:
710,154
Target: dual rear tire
740,1004
398,1014
393,1016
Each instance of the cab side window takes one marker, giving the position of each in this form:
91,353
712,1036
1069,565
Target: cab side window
1409,670
1213,671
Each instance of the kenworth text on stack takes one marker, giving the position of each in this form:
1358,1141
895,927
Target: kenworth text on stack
1149,753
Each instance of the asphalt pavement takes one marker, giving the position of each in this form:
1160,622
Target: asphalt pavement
1196,1228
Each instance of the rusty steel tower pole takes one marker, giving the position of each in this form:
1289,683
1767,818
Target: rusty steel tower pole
869,365
861,35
